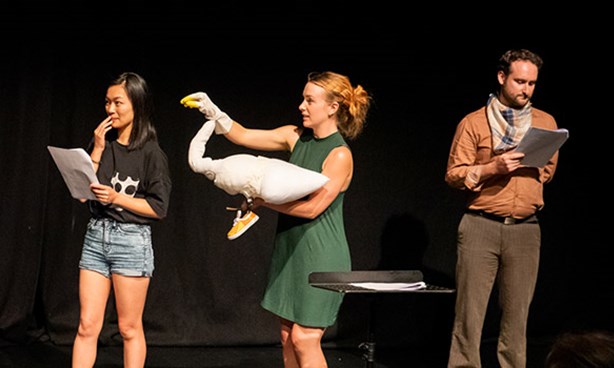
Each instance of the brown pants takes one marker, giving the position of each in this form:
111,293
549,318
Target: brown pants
490,251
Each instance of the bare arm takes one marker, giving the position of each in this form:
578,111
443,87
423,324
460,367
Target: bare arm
282,138
99,141
278,139
99,144
107,195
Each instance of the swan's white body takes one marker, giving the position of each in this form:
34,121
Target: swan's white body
276,181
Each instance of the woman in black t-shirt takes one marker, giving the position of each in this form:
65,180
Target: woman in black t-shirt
133,192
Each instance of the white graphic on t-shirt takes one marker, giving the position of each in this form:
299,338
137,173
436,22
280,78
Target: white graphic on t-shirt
127,187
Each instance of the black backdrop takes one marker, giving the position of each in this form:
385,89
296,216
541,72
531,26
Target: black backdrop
424,71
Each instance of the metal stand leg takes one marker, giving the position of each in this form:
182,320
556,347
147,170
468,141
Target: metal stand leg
369,345
369,354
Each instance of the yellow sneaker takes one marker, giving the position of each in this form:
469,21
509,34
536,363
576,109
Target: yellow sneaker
241,224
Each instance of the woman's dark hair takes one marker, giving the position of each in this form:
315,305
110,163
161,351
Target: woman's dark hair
138,93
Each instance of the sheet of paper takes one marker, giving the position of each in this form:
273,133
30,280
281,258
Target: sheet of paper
539,145
77,169
391,285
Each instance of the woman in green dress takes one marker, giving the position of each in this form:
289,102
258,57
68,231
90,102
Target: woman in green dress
310,234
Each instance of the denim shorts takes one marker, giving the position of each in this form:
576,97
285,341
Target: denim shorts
112,247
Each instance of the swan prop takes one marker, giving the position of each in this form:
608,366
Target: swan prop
274,180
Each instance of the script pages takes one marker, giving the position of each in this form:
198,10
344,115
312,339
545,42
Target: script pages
77,170
387,286
539,145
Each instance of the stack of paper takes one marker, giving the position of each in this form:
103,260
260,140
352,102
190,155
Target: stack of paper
539,145
391,285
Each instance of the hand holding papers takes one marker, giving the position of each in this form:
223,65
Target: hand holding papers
538,145
77,170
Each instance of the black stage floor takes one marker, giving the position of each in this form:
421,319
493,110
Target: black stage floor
45,355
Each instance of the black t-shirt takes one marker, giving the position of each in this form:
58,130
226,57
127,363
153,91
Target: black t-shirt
141,173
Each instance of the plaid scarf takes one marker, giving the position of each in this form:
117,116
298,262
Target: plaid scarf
507,125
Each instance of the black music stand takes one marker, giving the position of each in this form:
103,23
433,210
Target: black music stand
345,282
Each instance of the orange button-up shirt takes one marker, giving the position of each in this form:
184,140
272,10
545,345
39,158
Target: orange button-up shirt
518,194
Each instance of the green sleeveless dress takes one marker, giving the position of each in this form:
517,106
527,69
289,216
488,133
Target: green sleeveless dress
303,246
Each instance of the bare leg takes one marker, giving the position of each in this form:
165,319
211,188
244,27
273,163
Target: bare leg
307,346
94,291
130,295
286,344
302,346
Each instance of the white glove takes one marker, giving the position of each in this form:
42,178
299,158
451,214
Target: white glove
200,100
